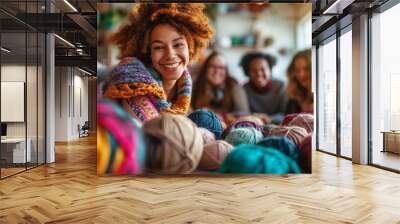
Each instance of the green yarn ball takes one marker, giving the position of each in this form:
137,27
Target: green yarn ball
254,159
247,135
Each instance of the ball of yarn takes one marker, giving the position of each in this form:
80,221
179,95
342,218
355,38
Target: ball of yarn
207,119
120,142
208,136
305,121
174,144
294,133
137,122
244,136
257,159
214,154
288,118
252,118
282,144
267,128
241,124
305,160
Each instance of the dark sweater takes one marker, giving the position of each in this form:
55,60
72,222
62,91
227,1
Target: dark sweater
272,102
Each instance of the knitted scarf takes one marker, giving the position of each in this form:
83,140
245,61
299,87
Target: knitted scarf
131,78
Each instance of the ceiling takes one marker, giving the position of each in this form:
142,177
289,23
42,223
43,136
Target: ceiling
76,24
330,15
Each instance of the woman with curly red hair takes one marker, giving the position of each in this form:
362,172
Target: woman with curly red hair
156,46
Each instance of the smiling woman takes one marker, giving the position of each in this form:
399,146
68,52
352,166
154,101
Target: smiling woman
216,89
155,49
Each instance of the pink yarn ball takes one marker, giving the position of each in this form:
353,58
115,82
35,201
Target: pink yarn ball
288,118
305,121
208,136
294,133
214,154
305,158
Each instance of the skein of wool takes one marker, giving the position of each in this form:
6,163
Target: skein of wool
175,145
282,144
241,124
255,159
246,135
267,128
214,154
294,133
304,120
288,118
208,136
120,142
207,119
305,160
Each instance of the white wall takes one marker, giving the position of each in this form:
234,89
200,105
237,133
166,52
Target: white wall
61,103
33,127
71,94
304,32
12,73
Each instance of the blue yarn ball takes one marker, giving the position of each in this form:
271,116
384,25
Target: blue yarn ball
255,159
282,144
207,119
247,135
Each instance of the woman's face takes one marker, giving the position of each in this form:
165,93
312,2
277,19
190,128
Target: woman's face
216,71
260,72
169,52
302,71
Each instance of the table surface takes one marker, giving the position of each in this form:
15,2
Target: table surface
391,132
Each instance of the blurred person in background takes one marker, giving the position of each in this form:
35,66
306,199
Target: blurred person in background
215,89
299,84
156,46
266,95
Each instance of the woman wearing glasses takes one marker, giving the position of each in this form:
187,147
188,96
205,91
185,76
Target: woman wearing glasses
215,89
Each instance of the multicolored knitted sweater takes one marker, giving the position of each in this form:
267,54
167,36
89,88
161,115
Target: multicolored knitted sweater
140,90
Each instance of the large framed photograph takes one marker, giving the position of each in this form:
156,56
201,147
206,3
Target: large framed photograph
204,88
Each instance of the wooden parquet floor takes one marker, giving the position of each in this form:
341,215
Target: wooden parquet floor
69,191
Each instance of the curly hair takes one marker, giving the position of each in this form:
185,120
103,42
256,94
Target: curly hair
249,57
188,19
295,89
201,96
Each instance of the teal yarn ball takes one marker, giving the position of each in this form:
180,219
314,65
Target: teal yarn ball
207,119
254,159
246,135
282,144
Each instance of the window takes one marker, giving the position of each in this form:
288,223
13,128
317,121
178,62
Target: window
327,97
385,85
346,94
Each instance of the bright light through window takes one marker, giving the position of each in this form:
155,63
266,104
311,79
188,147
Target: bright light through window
327,97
